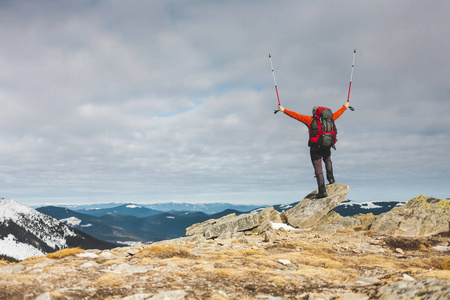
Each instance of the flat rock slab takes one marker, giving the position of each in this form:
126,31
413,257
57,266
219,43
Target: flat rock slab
309,211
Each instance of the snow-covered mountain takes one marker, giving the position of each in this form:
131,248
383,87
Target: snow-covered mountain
128,209
25,232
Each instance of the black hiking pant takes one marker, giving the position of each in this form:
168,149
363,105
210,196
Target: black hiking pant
317,155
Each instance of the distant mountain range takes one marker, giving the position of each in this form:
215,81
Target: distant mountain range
130,228
100,209
25,232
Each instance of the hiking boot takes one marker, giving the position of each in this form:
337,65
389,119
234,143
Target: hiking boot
322,192
330,178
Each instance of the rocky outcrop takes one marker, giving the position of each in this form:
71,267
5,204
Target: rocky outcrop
227,225
421,216
308,212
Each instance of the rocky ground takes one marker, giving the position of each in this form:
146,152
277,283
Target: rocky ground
280,264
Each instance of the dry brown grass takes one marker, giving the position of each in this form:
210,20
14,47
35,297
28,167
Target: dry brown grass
110,281
373,261
335,276
359,228
311,259
344,230
33,260
243,252
3,262
64,253
439,274
113,262
440,263
165,251
368,233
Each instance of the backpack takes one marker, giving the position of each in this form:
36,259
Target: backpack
323,130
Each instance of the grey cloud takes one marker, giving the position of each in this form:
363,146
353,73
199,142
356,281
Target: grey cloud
162,100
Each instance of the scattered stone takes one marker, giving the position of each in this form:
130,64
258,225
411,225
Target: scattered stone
107,255
268,236
268,297
142,296
170,295
400,251
44,296
87,265
441,248
368,281
408,278
285,262
367,248
353,296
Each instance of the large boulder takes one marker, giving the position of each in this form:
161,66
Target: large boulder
258,221
308,212
199,228
237,224
421,216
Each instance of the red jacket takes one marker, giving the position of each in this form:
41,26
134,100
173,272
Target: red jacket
307,120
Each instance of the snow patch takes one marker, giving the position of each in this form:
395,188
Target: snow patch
133,206
9,246
369,205
277,226
170,217
286,206
72,221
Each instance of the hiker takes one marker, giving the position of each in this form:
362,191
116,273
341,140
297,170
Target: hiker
318,152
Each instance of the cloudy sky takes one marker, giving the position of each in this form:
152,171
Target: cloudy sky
154,101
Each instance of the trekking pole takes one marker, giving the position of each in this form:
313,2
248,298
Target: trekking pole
274,80
351,76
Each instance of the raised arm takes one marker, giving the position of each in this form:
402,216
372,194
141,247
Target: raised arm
299,117
339,112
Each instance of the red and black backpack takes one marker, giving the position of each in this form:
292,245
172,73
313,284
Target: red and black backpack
323,131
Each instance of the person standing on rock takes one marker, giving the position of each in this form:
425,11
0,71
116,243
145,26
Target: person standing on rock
318,152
